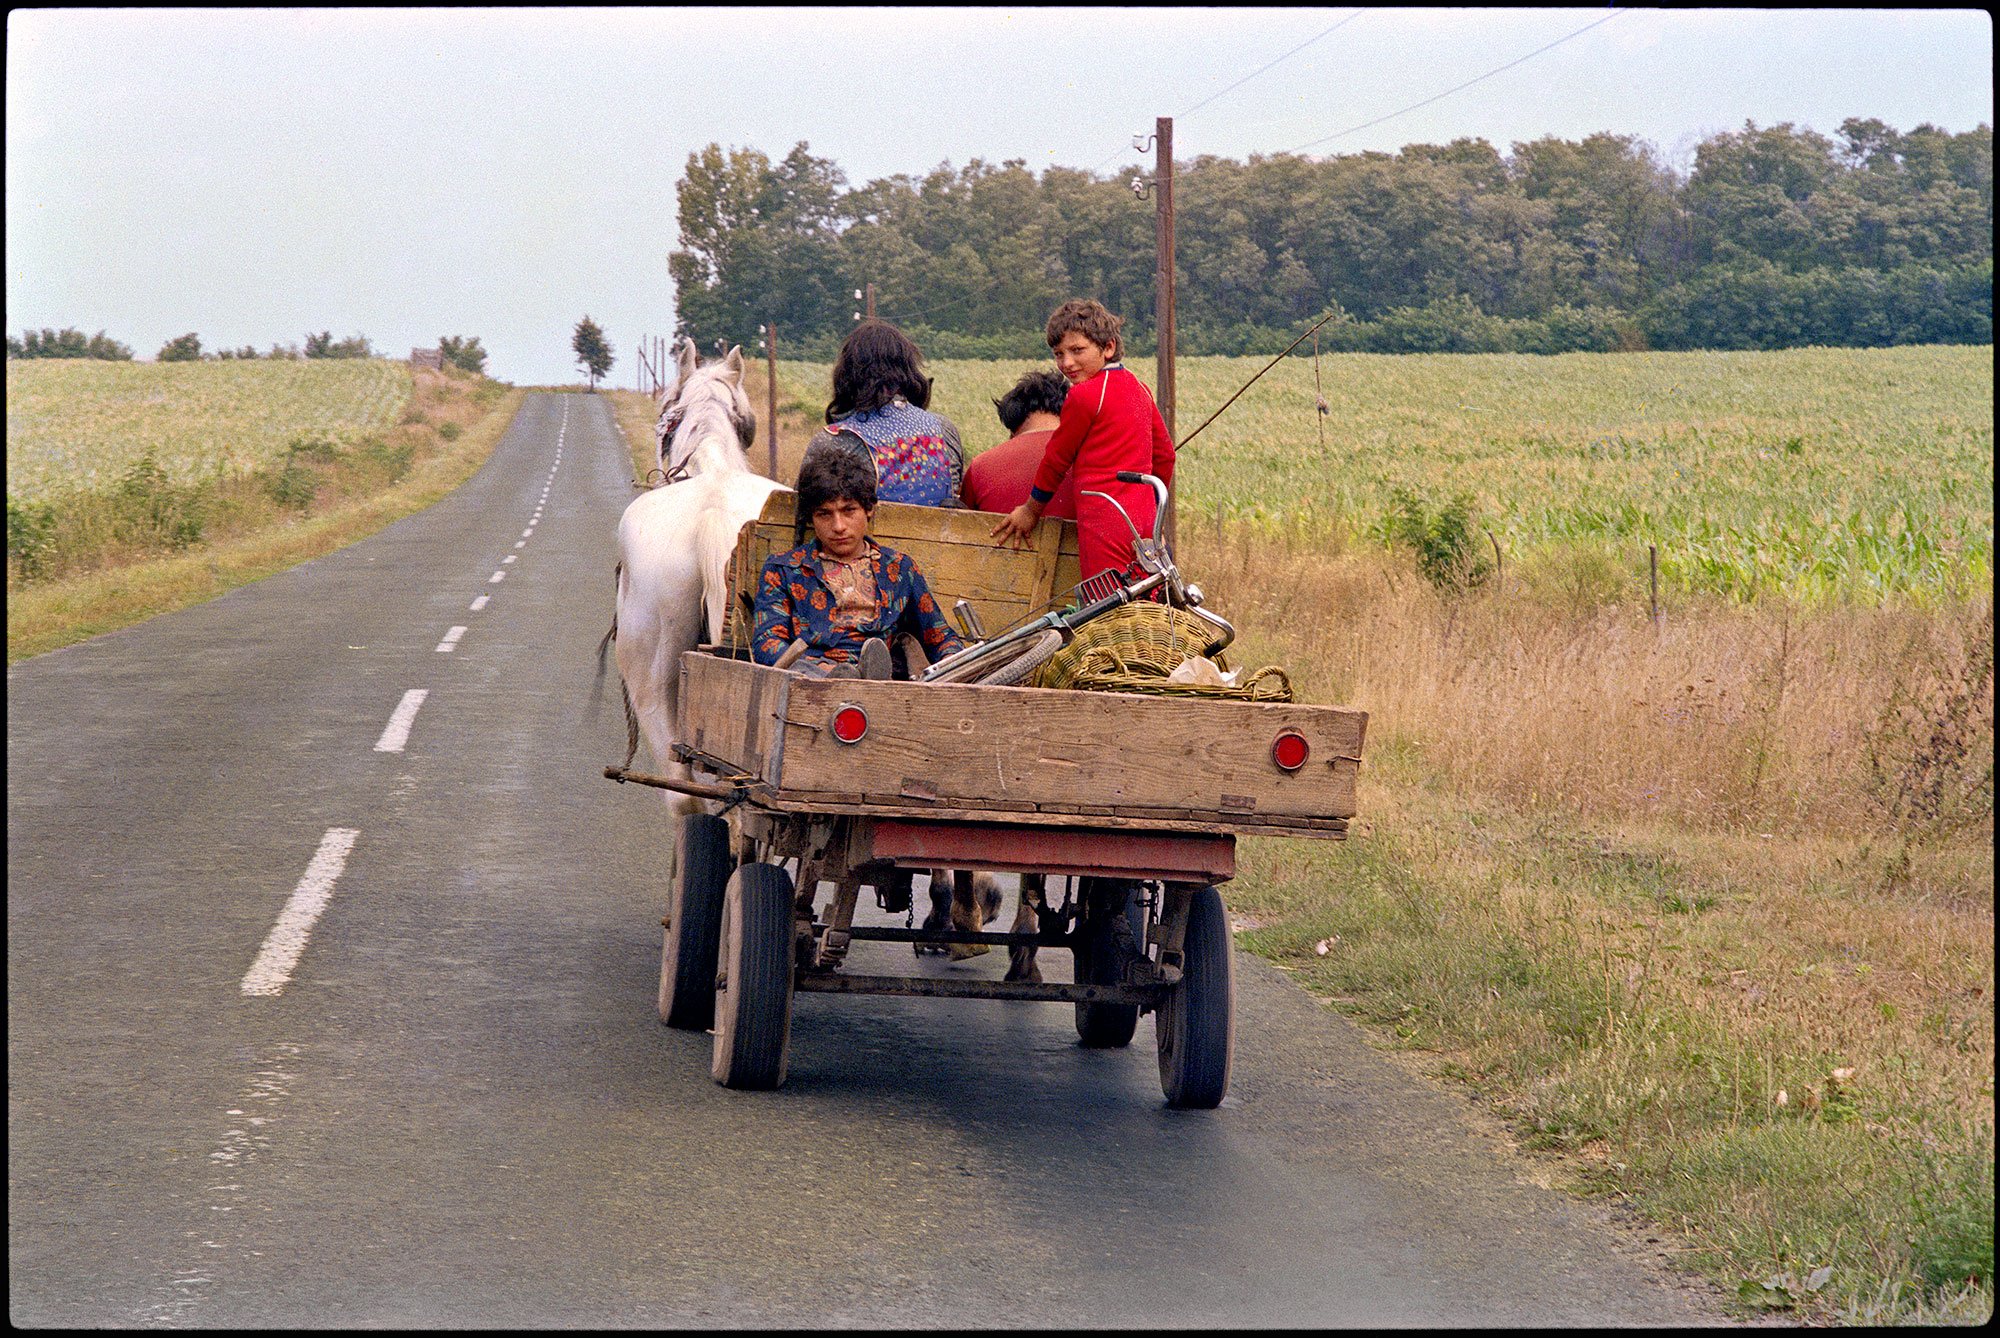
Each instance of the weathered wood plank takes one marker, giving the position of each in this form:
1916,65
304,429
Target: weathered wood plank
985,746
954,549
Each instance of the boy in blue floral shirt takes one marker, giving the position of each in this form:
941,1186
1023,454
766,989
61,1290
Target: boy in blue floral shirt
847,597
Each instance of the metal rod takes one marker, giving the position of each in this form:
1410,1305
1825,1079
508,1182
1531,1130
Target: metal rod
810,982
1163,177
1253,380
887,934
871,301
771,374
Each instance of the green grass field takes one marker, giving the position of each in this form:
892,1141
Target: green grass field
80,425
1851,472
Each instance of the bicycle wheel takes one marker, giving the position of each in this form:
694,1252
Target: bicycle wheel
973,664
1023,666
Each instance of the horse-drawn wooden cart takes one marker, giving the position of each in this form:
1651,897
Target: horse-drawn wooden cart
1134,801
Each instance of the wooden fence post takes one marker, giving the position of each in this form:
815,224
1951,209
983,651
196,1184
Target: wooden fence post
1653,563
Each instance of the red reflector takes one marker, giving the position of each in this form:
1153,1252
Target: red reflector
849,724
1289,751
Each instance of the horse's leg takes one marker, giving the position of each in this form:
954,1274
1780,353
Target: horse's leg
1021,957
975,899
940,913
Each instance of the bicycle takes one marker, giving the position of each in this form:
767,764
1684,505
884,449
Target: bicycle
1016,652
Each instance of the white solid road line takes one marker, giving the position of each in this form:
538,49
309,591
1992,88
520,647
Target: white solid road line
287,939
398,732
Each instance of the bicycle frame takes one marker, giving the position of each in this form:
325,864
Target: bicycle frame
1152,557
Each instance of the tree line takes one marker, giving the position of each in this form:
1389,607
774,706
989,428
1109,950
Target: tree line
461,351
1775,237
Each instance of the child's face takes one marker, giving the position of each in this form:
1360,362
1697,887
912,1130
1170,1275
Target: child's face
842,528
1079,357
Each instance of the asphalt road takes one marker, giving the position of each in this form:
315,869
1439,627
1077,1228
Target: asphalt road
436,1093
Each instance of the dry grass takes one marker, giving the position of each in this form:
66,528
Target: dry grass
1761,714
1706,908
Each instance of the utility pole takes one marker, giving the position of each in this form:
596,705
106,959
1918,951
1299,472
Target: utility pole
871,301
1163,290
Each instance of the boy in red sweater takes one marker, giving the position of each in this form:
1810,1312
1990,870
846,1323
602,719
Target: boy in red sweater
1109,423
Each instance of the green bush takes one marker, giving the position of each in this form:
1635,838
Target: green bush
66,343
1445,543
30,532
153,508
184,348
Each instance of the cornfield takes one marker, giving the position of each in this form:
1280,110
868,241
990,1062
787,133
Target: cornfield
1850,473
80,426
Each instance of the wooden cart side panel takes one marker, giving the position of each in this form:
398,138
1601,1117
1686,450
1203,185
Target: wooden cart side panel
734,710
1002,748
954,550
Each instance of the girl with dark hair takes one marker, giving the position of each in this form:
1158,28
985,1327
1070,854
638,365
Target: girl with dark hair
847,597
880,412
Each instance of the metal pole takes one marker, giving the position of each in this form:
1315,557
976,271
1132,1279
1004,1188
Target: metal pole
871,301
1163,294
771,375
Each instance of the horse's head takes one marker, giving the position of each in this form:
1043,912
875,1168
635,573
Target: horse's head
706,405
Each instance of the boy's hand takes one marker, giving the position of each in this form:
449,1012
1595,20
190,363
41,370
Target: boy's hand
1018,524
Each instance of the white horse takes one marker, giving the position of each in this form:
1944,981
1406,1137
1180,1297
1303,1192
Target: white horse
675,544
674,547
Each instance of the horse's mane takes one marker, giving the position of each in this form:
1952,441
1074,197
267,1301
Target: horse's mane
705,405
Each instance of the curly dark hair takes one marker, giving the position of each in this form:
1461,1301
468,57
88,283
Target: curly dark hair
1035,392
830,474
875,364
1088,316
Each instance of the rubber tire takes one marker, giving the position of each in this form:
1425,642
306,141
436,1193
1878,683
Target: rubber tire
694,913
1195,1023
753,1015
1107,1026
1039,652
974,663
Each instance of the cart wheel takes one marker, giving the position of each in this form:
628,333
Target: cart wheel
753,999
1194,1023
694,922
1107,1026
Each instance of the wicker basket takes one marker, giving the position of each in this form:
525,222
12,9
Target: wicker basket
1134,648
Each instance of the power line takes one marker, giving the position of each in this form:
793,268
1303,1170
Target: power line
1280,60
1182,176
1248,77
1467,84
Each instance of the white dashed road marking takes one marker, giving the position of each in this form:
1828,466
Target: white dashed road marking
398,732
287,939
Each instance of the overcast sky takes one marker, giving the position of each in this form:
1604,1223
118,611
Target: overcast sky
254,175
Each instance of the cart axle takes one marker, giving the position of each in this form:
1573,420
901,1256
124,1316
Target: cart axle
820,982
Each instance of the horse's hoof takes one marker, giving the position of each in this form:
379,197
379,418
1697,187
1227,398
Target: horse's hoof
1033,975
961,951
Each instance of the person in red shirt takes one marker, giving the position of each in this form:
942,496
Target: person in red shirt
999,477
1109,423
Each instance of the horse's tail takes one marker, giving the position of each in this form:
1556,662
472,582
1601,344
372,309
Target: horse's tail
604,644
715,546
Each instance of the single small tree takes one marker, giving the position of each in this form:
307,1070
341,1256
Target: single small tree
463,351
593,351
186,348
